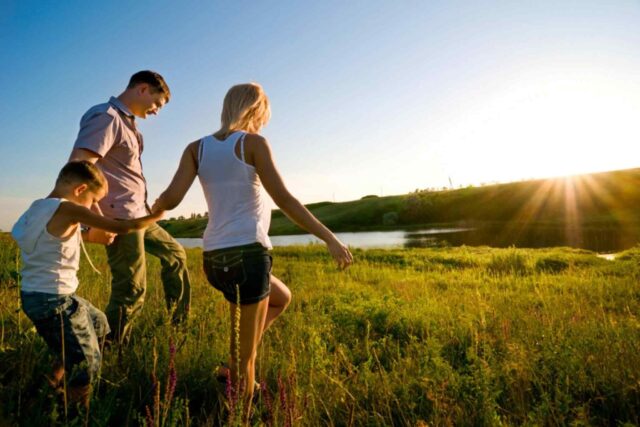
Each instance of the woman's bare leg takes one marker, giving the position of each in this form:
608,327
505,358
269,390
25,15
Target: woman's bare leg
279,299
252,319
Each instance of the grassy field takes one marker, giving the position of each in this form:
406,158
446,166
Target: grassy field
457,336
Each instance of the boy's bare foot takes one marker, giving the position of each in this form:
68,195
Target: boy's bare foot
56,376
79,394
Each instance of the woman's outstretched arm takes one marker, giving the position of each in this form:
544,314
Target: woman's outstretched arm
259,154
181,182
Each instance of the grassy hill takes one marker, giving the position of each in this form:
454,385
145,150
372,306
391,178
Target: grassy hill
607,199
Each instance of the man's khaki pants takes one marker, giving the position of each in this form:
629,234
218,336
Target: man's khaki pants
126,257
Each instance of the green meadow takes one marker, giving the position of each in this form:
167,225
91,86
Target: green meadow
409,337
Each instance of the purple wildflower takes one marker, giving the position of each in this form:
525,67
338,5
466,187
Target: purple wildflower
284,401
149,417
268,404
232,397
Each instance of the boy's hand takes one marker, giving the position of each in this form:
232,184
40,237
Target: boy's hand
95,235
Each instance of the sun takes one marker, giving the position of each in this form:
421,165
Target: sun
550,127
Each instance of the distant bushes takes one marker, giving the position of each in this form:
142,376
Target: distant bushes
390,218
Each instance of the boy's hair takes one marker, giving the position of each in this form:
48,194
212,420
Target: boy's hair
82,172
153,79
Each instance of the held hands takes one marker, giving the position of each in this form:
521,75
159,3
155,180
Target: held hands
156,214
157,206
340,253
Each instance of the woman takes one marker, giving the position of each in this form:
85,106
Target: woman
233,164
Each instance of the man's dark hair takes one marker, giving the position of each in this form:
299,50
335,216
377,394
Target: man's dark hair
82,172
153,79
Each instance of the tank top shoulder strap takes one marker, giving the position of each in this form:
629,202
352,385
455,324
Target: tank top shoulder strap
235,138
242,146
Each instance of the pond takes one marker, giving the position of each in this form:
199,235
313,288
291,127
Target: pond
595,239
603,240
364,239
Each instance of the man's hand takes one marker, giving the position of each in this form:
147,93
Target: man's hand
95,235
158,206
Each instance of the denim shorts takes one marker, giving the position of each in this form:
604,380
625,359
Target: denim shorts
75,321
240,268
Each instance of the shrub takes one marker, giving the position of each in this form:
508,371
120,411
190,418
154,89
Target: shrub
632,254
551,265
511,262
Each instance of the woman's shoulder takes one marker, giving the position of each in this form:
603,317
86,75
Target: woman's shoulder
193,145
255,139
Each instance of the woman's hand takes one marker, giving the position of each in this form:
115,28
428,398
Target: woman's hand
340,253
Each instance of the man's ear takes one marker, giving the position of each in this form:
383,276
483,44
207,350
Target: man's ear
80,189
143,88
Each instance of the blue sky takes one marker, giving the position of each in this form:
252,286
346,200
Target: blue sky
376,97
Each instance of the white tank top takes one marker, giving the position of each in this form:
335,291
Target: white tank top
49,263
239,209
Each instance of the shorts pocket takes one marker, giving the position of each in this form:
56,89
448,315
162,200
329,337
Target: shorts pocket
225,271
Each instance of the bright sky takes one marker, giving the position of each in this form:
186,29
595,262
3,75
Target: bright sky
368,97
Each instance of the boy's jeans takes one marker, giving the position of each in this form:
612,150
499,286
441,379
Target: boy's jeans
73,321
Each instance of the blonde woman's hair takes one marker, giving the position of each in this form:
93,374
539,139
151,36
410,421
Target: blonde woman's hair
246,108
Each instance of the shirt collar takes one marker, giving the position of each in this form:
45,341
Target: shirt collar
120,106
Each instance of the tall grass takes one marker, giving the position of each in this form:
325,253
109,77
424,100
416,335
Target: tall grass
457,336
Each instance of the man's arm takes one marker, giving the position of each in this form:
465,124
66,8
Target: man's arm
79,154
95,138
97,134
93,235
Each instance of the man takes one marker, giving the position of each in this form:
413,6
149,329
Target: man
109,138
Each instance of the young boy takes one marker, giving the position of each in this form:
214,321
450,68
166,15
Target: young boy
48,234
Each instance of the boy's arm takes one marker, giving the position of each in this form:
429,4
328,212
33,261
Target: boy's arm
96,235
79,214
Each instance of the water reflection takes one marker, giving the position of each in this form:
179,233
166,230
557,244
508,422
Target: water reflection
595,239
365,239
